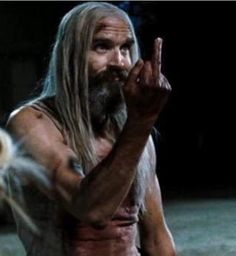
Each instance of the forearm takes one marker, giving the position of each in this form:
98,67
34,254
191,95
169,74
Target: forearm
105,187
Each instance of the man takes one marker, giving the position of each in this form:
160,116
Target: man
90,130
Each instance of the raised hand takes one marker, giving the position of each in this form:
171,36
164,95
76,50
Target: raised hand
146,90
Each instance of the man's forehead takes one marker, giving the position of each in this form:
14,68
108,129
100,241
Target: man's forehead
115,24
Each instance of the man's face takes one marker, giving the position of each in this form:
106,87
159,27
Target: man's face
109,63
111,46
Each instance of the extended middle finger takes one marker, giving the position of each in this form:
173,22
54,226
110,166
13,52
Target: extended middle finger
156,59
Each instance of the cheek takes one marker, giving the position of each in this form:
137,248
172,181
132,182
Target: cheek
97,62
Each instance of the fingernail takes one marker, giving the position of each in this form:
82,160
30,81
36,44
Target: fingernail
159,40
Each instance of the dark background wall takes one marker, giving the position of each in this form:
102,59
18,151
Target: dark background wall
197,126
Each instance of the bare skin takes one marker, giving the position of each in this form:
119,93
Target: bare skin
146,93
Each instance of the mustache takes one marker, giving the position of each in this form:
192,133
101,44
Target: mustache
110,75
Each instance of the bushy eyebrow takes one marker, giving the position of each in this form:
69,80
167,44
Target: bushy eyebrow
99,40
107,41
129,41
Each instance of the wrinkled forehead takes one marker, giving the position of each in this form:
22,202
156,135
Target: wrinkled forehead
113,24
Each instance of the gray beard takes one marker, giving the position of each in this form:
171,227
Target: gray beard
106,102
105,95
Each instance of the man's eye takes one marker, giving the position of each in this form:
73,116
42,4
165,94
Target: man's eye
101,48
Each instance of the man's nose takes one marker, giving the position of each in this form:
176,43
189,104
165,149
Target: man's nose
116,60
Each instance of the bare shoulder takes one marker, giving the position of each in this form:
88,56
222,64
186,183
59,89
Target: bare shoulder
27,121
39,136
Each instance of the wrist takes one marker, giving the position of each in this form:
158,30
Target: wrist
142,122
138,129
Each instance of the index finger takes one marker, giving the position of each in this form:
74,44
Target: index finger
156,58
